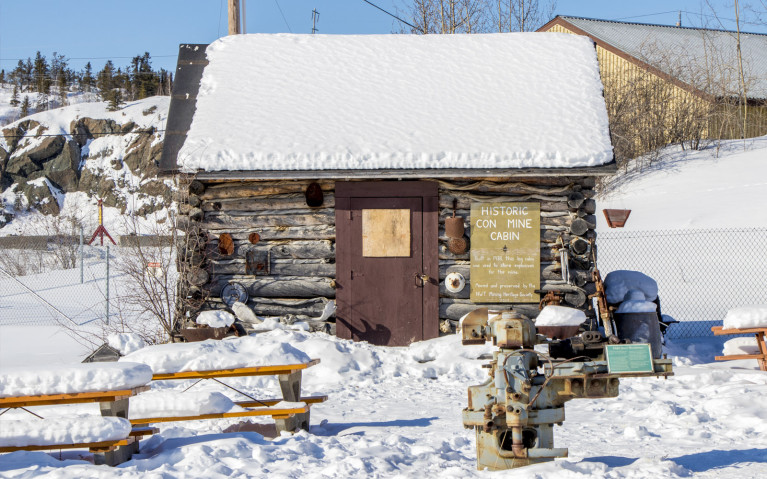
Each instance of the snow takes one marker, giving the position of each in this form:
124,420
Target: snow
216,318
618,283
211,355
331,102
126,343
396,412
746,317
73,430
72,378
176,403
560,316
740,346
715,187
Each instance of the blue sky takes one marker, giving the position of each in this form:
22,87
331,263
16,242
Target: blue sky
96,30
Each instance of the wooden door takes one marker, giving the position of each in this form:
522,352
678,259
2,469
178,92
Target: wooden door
386,271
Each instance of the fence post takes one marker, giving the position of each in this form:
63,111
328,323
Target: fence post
107,284
82,241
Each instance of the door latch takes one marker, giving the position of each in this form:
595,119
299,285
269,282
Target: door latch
421,279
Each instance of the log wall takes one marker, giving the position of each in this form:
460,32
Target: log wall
299,242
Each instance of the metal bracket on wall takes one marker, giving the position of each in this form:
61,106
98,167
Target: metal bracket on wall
257,262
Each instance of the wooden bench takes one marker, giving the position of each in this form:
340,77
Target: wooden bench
289,378
111,403
758,332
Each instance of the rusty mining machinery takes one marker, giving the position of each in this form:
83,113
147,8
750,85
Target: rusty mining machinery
515,410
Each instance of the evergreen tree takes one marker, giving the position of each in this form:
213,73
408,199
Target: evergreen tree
87,81
2,77
115,99
63,88
24,107
41,74
28,77
105,80
15,97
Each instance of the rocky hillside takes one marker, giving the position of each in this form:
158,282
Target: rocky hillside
84,149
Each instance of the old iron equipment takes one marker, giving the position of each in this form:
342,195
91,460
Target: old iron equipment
514,411
454,230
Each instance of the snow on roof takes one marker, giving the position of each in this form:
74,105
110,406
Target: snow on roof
687,52
363,102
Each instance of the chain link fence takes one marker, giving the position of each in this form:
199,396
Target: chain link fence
701,274
47,280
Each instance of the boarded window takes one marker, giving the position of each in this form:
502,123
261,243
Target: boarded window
385,233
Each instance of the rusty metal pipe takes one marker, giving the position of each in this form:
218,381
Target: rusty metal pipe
517,447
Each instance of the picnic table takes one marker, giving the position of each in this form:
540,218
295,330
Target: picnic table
111,403
289,418
759,332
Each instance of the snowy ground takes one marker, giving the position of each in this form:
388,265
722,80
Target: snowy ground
396,412
719,186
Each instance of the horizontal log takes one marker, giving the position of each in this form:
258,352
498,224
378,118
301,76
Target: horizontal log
251,189
277,268
276,286
278,202
508,188
317,232
298,249
217,220
309,308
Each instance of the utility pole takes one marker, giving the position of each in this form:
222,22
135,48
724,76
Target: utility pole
315,19
234,17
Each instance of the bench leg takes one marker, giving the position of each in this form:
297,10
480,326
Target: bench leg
115,456
762,351
121,454
290,384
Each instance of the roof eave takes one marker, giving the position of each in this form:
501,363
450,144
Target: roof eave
389,174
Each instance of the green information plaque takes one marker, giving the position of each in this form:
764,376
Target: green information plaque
629,358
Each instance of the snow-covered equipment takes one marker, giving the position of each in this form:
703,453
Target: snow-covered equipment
514,411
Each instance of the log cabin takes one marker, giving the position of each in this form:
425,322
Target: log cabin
410,179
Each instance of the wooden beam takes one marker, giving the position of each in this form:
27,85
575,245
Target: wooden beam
228,373
234,17
456,173
275,412
71,398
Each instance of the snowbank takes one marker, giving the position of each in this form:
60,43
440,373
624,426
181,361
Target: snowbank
216,318
560,316
618,283
714,187
73,430
740,346
746,317
176,403
333,102
126,343
72,378
210,355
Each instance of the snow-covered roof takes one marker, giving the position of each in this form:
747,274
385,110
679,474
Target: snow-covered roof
372,102
688,53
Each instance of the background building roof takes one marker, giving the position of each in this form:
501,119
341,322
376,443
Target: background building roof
704,58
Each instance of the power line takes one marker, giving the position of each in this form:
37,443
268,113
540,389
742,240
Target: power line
283,15
394,16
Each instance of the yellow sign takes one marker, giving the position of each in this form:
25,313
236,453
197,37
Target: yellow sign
505,252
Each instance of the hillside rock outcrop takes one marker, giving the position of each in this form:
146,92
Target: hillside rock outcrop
112,159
